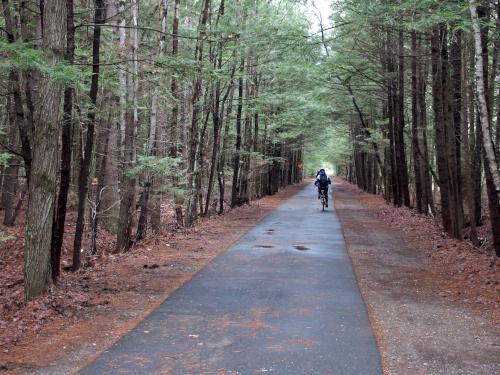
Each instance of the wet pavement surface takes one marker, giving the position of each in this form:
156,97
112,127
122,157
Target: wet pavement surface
282,300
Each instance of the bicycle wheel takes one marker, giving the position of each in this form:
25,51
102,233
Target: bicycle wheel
323,201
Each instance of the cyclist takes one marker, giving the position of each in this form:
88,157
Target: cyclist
322,182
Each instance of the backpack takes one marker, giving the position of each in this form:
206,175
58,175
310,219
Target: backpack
323,180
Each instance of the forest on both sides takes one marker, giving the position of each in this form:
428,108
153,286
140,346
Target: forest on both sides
121,119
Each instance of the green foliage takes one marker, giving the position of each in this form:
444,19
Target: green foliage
162,168
66,75
155,166
4,237
5,158
19,56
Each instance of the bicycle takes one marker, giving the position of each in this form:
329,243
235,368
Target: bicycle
323,200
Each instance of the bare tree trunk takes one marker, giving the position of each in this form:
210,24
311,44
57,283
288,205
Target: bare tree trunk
455,133
43,180
101,173
215,118
125,219
427,170
65,169
148,180
400,141
193,168
490,162
394,186
142,225
174,123
15,81
236,160
122,75
11,172
416,110
221,177
468,147
440,125
29,35
83,177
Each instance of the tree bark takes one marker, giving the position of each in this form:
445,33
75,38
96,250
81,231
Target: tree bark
65,168
391,92
83,177
440,125
221,176
237,150
490,162
416,110
216,118
22,122
174,123
43,180
400,141
193,168
11,171
454,132
125,219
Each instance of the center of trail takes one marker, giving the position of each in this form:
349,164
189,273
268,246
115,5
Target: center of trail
282,300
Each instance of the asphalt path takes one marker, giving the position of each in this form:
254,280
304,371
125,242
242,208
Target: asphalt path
282,300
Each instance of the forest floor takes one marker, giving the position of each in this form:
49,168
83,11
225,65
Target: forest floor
89,310
434,301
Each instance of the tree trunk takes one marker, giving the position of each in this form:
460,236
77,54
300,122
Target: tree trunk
394,186
83,177
174,123
400,141
216,118
221,177
490,162
43,180
440,125
454,90
65,168
237,150
125,219
142,225
427,170
193,168
15,82
416,110
11,171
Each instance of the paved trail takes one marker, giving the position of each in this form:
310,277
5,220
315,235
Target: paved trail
283,300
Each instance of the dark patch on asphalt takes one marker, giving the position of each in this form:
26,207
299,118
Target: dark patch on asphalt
270,231
265,246
301,247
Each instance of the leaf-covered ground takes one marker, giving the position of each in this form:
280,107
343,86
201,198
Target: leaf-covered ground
469,274
433,301
88,310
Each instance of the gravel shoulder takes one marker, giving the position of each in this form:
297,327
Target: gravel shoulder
419,330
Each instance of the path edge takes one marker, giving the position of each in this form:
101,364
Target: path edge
363,289
155,305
